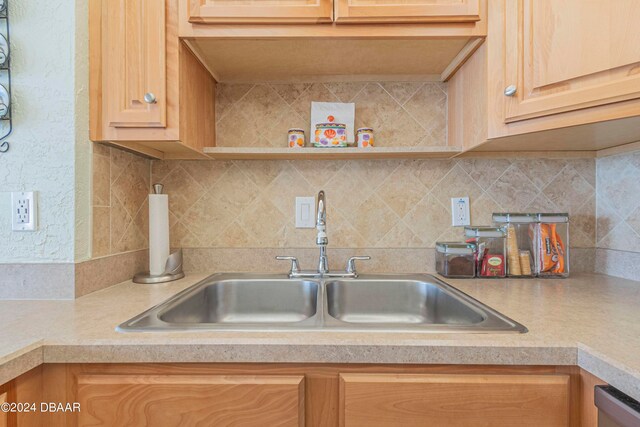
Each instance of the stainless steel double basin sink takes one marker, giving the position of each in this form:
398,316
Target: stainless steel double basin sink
274,302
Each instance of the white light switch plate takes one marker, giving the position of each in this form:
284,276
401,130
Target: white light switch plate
305,207
24,209
460,215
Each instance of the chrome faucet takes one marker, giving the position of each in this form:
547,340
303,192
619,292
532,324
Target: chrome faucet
322,241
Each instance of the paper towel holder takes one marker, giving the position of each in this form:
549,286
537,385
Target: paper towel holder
172,271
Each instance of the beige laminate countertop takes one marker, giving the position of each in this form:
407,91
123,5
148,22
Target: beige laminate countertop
588,320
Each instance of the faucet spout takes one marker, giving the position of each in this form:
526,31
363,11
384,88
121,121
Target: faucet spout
321,220
321,239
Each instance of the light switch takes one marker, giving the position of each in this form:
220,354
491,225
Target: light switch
305,212
23,211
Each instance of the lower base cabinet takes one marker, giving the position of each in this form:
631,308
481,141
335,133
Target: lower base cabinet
311,395
190,400
454,400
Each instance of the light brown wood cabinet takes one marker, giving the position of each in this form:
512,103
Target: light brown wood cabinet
260,11
134,63
406,11
190,400
326,11
311,395
148,91
552,75
454,400
568,55
4,416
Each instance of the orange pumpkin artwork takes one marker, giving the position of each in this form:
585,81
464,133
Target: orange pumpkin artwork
330,133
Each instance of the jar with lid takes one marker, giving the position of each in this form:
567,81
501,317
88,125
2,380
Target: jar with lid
456,259
521,231
491,248
541,241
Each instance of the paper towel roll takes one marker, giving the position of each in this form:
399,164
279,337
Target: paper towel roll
158,233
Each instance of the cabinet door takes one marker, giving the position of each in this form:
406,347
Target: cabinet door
190,400
454,400
399,11
4,421
260,11
134,69
570,54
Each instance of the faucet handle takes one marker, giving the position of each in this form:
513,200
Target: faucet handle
351,264
295,267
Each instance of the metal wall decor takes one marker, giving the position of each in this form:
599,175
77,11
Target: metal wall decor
5,78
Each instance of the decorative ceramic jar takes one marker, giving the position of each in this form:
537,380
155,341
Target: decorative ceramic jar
364,137
295,138
330,135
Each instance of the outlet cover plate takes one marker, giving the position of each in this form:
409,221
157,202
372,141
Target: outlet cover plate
460,215
305,207
23,211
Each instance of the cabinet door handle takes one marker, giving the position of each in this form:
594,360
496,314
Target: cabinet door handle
510,90
150,98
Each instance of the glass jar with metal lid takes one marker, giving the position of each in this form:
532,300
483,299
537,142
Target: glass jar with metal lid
456,259
491,244
537,243
520,242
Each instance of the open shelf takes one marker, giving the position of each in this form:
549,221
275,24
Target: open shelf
308,153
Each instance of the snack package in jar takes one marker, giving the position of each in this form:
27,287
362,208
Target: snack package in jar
552,250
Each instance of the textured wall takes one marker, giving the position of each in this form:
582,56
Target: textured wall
402,113
618,183
377,203
44,65
120,205
618,215
394,204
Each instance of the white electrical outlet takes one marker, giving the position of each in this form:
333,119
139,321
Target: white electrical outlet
305,212
23,211
460,215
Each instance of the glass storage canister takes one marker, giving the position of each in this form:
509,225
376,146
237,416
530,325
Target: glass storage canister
456,259
542,242
491,248
520,243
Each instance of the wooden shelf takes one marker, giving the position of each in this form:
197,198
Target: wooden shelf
257,153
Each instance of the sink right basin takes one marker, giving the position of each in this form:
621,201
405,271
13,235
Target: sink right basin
416,302
397,302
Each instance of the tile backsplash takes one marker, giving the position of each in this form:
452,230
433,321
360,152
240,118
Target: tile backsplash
382,204
401,113
120,207
618,183
371,203
618,215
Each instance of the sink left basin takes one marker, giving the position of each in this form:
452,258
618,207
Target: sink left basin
235,302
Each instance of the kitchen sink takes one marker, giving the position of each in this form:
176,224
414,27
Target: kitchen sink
413,303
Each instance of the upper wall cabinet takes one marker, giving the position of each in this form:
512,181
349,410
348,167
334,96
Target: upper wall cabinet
551,76
149,92
322,11
289,40
134,61
570,54
260,11
406,11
